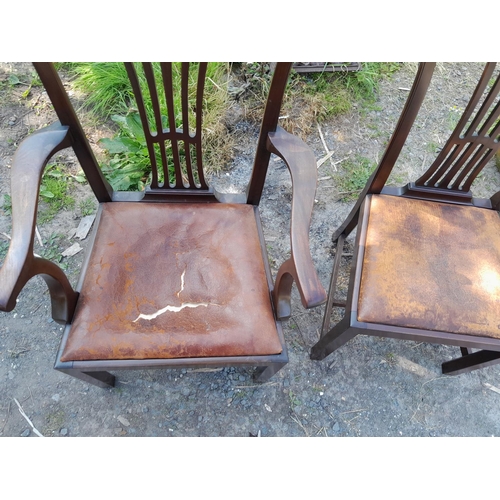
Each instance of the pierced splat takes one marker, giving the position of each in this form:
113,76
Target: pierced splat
471,145
185,170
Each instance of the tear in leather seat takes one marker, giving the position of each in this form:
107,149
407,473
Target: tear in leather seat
192,285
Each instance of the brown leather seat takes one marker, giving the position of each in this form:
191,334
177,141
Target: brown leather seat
192,285
432,266
426,260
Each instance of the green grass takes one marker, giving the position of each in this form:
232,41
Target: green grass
53,248
355,174
55,191
87,206
320,96
7,204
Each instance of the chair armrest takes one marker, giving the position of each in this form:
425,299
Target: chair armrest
20,264
302,166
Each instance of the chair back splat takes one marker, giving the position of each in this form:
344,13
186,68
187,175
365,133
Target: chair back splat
470,147
186,141
426,261
175,275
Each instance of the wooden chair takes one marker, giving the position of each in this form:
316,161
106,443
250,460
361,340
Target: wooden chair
426,262
176,275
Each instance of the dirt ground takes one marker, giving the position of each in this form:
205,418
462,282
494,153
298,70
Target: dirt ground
370,387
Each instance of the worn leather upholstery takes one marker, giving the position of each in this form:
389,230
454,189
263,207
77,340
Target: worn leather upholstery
192,285
432,266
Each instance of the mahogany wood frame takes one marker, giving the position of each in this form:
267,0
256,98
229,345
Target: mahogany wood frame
35,151
469,148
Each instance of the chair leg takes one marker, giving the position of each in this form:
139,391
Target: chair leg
100,379
335,338
469,362
264,373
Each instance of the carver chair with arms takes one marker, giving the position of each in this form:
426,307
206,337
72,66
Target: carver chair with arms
426,261
175,275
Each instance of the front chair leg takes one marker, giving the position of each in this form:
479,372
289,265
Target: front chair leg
264,373
100,379
469,362
335,338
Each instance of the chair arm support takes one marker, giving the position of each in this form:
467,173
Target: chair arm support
302,166
20,264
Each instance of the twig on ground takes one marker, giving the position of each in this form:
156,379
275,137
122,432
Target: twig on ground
21,411
39,238
266,384
297,421
491,387
208,78
322,160
328,153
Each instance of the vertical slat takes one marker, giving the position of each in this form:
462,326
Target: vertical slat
185,121
134,81
478,154
440,165
166,69
150,79
455,166
449,161
490,99
495,114
199,120
482,163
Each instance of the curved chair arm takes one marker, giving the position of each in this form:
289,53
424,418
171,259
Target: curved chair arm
302,166
20,264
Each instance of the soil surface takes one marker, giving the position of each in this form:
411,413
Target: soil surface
369,387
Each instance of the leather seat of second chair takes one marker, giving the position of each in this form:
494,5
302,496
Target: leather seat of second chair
432,266
174,280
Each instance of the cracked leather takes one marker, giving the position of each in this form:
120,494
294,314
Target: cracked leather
174,281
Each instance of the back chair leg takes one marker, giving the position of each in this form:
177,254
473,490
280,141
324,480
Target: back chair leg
100,379
335,338
469,362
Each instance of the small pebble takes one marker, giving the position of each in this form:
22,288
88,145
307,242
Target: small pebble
25,433
63,431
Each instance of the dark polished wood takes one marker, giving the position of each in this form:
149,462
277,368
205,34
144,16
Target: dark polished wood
176,275
426,261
